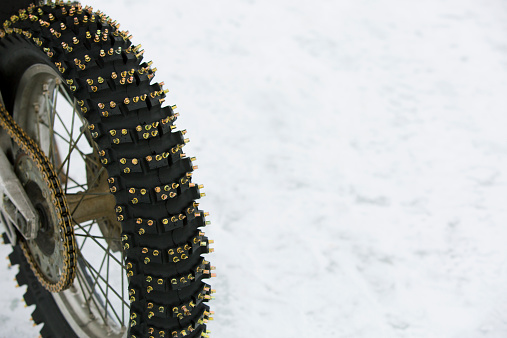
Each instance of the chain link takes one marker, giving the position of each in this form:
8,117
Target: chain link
30,147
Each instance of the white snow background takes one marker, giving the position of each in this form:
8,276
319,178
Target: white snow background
354,157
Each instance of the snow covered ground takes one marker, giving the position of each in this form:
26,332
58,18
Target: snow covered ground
354,156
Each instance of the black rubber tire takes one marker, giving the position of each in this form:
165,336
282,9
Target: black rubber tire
149,175
46,310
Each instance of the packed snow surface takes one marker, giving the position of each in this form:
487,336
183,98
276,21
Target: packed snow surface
354,157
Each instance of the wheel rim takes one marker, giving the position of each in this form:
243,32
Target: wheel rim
96,305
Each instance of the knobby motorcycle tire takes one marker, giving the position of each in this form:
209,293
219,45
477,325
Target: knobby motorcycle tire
141,150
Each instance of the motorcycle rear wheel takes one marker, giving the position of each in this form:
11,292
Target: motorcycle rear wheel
121,143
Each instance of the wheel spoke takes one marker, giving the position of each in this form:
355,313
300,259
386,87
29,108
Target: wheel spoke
86,237
70,152
100,245
51,107
77,184
83,281
91,185
107,285
98,237
97,277
61,121
84,122
103,280
81,284
90,193
70,148
87,132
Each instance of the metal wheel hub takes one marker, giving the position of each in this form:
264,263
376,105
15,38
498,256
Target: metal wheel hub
47,247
